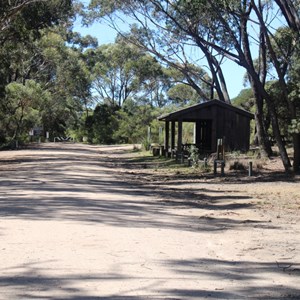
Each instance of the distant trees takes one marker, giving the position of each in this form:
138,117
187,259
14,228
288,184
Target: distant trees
121,71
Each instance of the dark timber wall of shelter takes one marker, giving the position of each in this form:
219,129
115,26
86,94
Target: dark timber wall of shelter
234,127
214,120
225,123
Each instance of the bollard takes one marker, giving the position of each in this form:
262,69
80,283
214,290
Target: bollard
222,168
182,158
250,168
222,165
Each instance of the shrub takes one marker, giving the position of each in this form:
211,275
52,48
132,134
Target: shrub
237,165
146,144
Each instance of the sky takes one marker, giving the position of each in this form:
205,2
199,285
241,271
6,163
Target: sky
234,74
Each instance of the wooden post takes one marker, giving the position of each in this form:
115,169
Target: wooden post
222,168
173,135
167,138
160,135
250,168
198,137
149,133
195,133
223,148
179,141
215,167
222,163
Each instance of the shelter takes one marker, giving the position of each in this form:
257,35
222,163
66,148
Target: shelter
213,120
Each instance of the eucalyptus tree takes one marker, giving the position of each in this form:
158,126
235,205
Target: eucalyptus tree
283,50
9,10
21,24
153,29
121,71
22,108
19,17
65,74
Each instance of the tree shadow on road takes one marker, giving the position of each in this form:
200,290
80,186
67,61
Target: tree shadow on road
87,188
232,280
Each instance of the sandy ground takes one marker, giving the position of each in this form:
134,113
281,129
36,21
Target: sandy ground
76,222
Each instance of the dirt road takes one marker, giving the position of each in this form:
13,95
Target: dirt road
76,224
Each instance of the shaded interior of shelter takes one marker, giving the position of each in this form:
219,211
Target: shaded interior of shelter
213,121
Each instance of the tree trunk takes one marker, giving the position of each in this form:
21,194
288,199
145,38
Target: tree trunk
223,85
276,131
263,141
274,119
290,13
288,10
216,72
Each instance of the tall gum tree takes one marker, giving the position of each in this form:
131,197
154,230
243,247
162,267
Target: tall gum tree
153,28
280,54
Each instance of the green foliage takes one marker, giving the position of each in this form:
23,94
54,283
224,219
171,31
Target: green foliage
196,162
146,143
194,156
183,94
21,108
98,126
35,63
19,19
112,124
134,120
105,123
245,100
295,126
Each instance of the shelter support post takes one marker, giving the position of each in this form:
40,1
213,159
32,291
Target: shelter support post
173,138
179,141
173,135
167,133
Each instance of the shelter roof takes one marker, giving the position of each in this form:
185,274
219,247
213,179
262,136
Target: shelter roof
183,112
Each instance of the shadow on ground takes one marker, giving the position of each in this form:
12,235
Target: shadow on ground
233,280
79,184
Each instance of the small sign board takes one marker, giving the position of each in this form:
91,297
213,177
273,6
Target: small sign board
36,131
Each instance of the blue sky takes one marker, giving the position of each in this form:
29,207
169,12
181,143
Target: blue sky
233,73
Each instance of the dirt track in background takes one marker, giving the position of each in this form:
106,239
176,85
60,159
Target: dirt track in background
80,222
